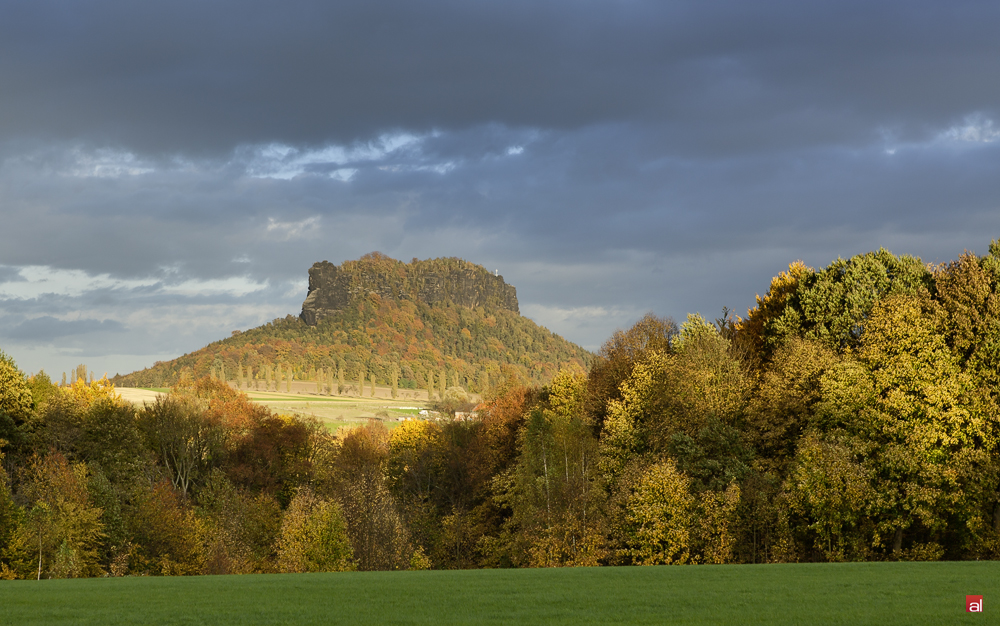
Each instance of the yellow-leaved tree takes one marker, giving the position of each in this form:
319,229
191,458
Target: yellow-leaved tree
15,402
313,536
914,421
15,396
555,487
60,533
832,493
659,516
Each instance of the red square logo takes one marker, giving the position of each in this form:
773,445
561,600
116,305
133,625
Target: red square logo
973,604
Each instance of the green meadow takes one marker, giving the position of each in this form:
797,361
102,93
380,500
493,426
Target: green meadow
849,593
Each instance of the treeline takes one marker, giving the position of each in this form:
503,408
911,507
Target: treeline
202,481
853,415
407,341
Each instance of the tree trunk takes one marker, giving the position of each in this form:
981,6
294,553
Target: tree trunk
548,507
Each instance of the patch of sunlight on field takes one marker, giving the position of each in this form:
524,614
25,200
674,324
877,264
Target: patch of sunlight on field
139,397
339,412
335,412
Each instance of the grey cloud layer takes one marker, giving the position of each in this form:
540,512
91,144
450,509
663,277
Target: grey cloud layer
209,76
47,328
607,157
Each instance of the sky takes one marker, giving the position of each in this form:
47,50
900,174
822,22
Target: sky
169,171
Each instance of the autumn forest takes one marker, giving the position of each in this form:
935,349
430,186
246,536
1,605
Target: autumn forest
853,414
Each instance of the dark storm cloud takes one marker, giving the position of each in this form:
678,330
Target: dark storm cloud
183,77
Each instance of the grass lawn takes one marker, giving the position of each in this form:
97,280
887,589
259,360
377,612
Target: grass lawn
853,593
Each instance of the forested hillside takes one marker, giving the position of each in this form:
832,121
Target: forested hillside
381,331
854,414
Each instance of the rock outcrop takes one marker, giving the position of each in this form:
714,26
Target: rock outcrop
435,282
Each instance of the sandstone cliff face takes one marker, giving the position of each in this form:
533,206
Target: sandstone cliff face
433,282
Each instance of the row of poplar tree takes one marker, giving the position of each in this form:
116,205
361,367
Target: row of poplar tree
326,381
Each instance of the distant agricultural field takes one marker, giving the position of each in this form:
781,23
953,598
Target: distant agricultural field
850,593
338,412
335,412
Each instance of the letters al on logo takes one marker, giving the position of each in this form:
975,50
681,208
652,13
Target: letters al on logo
973,604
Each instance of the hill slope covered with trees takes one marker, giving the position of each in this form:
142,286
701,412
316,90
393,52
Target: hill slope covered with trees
435,323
